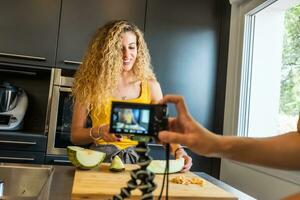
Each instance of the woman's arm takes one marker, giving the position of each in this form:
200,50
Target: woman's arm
79,134
156,92
156,96
175,149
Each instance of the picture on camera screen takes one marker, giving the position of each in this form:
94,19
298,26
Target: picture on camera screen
131,120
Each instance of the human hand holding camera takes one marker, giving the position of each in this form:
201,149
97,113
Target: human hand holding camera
186,131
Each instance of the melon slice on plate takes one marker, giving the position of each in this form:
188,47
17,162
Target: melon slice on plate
159,166
84,158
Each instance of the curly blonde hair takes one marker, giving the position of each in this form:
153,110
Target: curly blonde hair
97,76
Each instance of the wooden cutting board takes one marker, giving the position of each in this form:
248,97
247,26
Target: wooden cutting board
100,183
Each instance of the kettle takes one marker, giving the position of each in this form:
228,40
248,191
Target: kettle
8,97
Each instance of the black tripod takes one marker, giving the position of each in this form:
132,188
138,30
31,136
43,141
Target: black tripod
141,178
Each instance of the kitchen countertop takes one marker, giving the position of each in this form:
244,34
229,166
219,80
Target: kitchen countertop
62,181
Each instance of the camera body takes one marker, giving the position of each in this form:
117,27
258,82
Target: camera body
138,119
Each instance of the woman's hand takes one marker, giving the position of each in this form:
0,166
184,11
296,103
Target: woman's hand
105,135
180,153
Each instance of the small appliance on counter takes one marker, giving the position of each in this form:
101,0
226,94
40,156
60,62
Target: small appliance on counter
13,105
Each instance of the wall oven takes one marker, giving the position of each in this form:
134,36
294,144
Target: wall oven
59,116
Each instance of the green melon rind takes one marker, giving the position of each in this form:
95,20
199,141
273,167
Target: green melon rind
71,151
75,156
75,152
159,166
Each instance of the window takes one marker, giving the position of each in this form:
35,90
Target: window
257,38
270,81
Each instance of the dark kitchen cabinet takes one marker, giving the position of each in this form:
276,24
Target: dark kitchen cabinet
188,43
80,20
187,39
29,31
22,157
18,147
57,160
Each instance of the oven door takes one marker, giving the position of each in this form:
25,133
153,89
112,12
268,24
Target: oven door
60,121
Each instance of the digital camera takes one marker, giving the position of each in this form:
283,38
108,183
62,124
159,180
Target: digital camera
138,119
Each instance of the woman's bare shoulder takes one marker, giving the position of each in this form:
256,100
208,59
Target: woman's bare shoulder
156,92
153,83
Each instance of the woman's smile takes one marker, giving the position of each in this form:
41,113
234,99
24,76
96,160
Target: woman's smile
126,61
129,50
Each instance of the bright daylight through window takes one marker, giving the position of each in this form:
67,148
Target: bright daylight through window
290,71
272,65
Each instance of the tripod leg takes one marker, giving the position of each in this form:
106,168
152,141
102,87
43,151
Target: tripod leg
146,185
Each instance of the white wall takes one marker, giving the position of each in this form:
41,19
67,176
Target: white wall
257,184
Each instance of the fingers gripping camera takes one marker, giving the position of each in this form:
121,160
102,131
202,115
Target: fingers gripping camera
138,119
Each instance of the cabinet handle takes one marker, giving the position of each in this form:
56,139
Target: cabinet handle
16,158
17,142
18,71
23,56
61,161
71,62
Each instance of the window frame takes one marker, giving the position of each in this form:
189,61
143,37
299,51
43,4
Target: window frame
236,112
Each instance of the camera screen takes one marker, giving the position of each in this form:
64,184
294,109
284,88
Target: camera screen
130,120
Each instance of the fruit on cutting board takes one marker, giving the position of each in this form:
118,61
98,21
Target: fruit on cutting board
159,166
84,158
117,165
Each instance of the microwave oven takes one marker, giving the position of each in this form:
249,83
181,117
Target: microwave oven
60,113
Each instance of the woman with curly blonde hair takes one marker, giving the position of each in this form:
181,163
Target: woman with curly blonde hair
116,67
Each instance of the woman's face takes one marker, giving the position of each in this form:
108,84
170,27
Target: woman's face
129,49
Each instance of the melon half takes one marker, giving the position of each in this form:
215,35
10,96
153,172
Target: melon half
84,158
159,166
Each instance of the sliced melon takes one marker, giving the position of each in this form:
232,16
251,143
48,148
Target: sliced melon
84,158
159,166
141,138
117,164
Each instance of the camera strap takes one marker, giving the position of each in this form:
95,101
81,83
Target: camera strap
166,174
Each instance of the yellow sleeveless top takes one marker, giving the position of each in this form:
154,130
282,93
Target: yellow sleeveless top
100,117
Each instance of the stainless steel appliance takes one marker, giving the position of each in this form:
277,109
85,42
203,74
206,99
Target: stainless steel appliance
13,106
60,117
26,182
